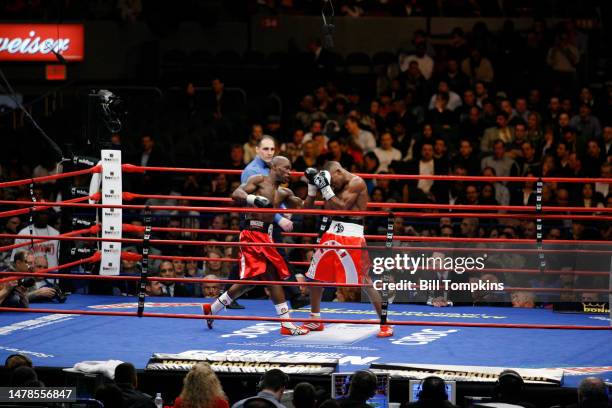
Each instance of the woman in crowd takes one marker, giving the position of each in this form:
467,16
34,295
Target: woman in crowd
201,389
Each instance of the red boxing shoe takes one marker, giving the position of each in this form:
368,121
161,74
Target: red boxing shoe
313,326
293,331
206,309
385,331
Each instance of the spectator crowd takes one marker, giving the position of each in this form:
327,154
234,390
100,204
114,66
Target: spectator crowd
276,389
482,104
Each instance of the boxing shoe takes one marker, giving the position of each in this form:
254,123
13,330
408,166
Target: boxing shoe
206,309
385,331
293,330
313,326
234,305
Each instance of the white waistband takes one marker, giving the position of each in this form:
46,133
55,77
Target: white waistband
347,229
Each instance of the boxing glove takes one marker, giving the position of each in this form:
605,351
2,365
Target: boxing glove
258,201
323,182
310,174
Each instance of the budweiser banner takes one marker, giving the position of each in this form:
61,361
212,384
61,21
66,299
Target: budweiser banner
36,42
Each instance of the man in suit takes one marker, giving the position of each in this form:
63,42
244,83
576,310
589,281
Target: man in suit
500,132
152,156
427,165
172,289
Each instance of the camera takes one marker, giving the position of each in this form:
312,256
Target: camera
112,107
26,282
60,296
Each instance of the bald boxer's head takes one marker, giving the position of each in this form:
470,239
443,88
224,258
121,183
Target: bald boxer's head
280,169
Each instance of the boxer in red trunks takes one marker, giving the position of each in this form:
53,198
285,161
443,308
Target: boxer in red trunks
342,191
262,262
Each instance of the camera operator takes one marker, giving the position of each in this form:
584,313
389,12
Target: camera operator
14,293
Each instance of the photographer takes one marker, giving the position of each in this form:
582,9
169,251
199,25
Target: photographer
42,289
14,293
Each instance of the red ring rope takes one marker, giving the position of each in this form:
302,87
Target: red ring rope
132,196
401,238
303,211
264,282
45,272
130,168
94,229
137,257
294,320
15,183
42,206
285,245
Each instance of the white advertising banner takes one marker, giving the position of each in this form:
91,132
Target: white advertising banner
112,218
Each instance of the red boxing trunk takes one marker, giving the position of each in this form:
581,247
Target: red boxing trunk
254,260
340,265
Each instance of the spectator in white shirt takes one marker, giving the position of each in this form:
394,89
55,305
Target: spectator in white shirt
604,188
359,138
454,100
386,153
425,62
40,227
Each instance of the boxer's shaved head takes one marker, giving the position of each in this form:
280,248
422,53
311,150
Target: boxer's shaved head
281,167
280,161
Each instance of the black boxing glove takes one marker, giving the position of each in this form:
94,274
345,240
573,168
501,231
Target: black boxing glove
310,175
258,201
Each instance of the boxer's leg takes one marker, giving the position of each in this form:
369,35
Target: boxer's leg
376,300
316,293
277,295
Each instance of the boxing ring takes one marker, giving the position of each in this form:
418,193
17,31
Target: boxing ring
62,340
89,327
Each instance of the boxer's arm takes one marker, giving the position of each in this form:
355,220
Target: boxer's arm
349,197
291,200
309,202
241,193
310,173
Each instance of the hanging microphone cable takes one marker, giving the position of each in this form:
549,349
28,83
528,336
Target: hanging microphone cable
328,28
